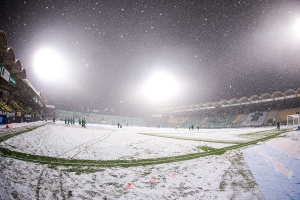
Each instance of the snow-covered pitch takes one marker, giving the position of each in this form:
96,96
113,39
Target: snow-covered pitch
212,177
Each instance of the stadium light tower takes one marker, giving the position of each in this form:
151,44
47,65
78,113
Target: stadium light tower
160,87
48,64
296,28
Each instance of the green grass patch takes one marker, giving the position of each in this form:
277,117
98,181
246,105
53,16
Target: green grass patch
206,148
258,135
194,139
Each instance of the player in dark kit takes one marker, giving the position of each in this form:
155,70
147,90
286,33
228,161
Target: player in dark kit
278,125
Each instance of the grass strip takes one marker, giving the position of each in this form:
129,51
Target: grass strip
260,134
206,148
195,139
53,162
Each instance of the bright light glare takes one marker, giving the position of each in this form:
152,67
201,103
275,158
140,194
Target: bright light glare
48,65
160,87
297,27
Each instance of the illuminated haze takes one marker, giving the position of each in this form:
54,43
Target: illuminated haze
215,49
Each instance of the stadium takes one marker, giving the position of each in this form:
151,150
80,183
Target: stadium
20,102
186,152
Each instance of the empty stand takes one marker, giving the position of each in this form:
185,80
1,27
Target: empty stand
283,113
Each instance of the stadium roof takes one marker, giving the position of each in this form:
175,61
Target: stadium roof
278,95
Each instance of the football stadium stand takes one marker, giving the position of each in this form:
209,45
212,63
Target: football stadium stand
255,111
19,101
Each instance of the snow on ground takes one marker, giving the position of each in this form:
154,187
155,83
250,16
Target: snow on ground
275,166
99,143
212,134
112,143
212,177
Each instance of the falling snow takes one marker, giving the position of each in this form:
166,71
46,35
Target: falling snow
125,42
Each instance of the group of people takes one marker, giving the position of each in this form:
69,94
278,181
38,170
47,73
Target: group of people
71,120
192,127
82,122
120,125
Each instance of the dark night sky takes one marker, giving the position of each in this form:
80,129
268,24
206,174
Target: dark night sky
216,49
